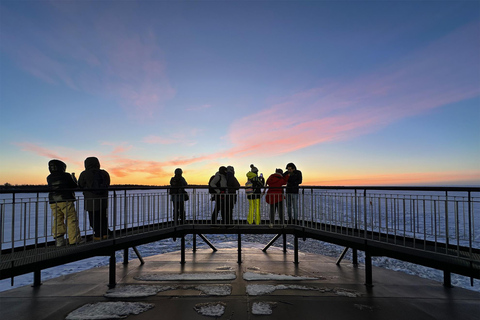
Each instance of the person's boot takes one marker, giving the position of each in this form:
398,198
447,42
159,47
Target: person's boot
60,241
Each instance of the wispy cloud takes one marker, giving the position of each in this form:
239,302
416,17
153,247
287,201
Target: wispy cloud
103,58
444,72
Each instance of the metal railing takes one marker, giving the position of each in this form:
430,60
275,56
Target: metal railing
447,218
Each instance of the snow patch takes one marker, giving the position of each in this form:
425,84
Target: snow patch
215,290
136,291
263,308
363,307
108,310
254,276
210,309
263,289
187,276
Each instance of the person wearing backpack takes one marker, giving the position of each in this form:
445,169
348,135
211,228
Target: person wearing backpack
275,195
95,182
178,195
62,203
294,180
253,190
232,187
218,187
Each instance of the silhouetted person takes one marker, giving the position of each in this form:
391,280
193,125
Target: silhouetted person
62,203
232,187
294,180
95,182
178,194
219,182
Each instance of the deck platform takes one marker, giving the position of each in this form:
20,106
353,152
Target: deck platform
336,292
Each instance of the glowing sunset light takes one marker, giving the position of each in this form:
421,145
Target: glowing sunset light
354,93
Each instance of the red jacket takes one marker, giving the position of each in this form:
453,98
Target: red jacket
275,193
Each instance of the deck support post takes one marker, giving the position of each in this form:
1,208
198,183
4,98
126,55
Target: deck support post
112,282
239,248
447,279
37,278
182,249
368,269
295,241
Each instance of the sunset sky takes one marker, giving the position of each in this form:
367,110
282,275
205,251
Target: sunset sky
352,92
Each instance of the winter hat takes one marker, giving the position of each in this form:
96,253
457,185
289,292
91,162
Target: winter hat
278,170
291,165
231,169
253,168
178,171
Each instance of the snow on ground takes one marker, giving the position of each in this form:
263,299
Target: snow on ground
108,310
211,309
139,291
262,289
263,308
187,276
250,241
254,276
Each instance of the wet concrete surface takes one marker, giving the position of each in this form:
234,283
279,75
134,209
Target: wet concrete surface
337,292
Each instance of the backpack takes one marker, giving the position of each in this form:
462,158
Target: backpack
98,183
211,189
249,188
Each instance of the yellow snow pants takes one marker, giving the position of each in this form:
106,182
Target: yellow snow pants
253,211
62,211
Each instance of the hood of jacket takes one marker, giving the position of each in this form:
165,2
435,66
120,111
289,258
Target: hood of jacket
56,166
251,175
92,163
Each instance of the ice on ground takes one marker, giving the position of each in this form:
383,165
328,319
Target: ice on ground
187,276
363,307
263,289
108,310
254,276
224,268
215,290
136,291
263,308
211,309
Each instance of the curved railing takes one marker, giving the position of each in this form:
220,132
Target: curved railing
445,221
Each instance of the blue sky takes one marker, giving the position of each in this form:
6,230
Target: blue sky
352,92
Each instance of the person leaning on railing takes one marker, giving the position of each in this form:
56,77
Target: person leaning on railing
95,182
294,180
275,195
62,203
178,194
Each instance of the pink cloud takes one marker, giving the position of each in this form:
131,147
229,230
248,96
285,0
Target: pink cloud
444,72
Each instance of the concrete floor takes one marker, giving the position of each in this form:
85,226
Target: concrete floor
394,295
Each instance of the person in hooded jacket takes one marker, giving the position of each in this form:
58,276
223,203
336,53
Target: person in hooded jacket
219,183
294,180
95,182
62,203
275,195
178,194
232,187
253,189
